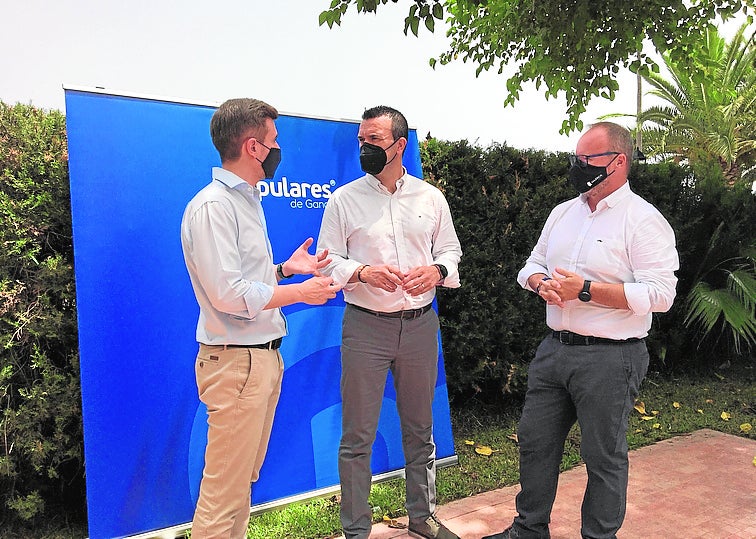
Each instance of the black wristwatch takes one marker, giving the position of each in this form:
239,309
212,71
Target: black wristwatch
442,271
585,293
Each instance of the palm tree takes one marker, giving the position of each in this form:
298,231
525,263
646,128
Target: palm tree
709,110
732,305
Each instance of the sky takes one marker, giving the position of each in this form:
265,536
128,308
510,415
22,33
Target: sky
205,52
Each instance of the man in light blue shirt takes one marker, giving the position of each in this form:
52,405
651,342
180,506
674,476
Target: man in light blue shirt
230,262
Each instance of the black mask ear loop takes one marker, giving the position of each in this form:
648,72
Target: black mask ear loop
395,154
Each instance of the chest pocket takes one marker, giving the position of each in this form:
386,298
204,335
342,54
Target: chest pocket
607,259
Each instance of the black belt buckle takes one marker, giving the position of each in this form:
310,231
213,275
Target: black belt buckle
411,314
569,338
416,313
275,344
565,337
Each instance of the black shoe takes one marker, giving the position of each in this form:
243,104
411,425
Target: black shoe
431,528
503,535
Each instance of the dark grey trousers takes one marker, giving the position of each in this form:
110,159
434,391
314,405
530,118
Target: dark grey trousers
597,386
370,347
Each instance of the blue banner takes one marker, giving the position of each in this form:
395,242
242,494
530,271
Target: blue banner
134,163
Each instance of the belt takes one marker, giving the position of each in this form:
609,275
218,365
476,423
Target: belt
275,344
568,337
404,315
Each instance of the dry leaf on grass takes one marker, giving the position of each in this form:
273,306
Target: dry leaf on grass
484,450
641,407
481,449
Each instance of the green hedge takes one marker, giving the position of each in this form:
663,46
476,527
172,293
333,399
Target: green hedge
500,198
41,462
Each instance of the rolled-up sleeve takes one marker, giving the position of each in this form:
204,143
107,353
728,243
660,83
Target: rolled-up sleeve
446,249
654,259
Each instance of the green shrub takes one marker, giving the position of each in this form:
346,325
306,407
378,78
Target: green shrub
41,448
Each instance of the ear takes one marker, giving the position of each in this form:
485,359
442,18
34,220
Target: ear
402,144
623,160
250,146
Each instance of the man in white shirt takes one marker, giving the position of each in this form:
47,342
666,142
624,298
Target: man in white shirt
393,242
230,262
604,262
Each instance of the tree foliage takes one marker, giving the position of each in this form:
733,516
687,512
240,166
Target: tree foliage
709,113
574,47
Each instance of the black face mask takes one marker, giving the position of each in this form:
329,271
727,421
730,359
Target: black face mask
585,177
373,158
270,164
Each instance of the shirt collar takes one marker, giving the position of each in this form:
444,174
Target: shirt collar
375,183
232,181
612,199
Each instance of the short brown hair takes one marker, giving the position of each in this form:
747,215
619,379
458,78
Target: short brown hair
236,120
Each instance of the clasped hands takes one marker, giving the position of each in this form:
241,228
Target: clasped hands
563,286
415,282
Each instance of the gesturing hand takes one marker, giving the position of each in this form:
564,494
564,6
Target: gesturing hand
302,262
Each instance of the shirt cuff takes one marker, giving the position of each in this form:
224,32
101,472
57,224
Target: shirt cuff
527,271
343,272
637,298
452,276
257,297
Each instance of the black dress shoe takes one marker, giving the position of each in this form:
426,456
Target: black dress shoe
503,535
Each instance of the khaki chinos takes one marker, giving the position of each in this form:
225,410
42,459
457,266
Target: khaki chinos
240,387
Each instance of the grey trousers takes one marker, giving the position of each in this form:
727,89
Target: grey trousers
371,346
597,386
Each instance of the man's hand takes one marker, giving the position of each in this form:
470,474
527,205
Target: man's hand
317,290
570,284
420,280
385,277
303,263
549,289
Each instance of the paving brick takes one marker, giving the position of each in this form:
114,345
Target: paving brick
701,485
